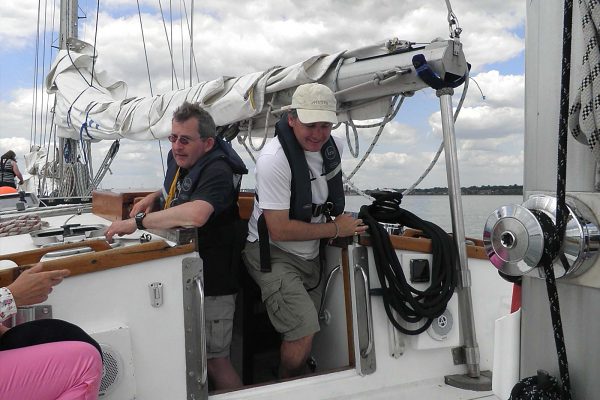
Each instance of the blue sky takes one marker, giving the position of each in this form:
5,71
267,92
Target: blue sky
234,38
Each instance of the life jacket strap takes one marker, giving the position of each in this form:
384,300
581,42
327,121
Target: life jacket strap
264,245
322,209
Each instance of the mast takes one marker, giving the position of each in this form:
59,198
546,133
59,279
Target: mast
74,177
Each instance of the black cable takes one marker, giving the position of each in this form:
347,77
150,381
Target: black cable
553,236
412,305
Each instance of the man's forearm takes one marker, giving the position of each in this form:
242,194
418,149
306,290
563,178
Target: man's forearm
294,230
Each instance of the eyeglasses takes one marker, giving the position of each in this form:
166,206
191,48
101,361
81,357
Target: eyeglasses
184,140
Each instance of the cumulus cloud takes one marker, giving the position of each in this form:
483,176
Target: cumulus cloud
234,38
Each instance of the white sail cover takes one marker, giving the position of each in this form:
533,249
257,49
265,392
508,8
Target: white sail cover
102,110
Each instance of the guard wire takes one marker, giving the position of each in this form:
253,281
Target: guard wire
412,305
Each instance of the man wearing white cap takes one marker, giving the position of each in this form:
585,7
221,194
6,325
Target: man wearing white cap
298,189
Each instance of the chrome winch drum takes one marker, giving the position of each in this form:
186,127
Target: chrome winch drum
514,239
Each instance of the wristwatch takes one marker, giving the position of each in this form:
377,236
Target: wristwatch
139,217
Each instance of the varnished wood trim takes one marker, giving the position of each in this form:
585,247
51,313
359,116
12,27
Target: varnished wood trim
103,260
348,303
246,204
33,256
423,245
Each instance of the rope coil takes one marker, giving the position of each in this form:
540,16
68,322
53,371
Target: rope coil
21,225
412,305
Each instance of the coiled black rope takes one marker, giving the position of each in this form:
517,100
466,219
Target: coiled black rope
412,305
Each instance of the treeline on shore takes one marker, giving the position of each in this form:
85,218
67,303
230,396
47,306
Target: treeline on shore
471,190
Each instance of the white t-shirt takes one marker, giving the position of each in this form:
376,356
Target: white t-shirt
273,189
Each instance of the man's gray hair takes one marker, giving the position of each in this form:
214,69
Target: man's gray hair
206,124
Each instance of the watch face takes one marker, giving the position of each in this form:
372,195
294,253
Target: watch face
138,219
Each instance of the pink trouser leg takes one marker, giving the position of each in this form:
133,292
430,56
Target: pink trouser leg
57,371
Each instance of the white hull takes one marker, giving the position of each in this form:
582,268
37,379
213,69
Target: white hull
115,307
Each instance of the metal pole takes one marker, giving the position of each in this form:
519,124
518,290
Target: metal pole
68,21
68,29
465,303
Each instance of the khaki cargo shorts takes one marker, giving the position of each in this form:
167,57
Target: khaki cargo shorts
218,315
291,308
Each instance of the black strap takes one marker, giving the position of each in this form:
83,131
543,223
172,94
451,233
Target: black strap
264,244
553,235
432,79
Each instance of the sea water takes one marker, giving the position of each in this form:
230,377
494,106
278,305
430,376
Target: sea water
436,209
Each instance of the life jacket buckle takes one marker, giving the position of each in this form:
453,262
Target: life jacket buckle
322,209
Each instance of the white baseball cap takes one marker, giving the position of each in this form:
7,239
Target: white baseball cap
314,103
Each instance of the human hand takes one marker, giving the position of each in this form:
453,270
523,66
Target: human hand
348,225
3,329
146,205
34,285
120,228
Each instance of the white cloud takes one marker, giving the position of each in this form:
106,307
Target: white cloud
233,38
483,122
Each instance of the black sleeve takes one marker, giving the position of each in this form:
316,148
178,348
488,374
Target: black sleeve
216,186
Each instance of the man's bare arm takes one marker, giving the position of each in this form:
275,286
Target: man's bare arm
282,228
194,213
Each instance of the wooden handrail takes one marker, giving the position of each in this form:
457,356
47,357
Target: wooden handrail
423,245
33,256
103,260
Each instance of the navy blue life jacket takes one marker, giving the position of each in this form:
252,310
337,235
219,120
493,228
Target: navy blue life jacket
301,206
221,239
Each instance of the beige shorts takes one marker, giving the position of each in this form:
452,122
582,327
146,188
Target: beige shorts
291,308
219,312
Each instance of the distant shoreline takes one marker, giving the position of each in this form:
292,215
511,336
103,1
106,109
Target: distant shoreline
486,190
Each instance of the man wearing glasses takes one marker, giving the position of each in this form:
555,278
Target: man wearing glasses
298,189
201,189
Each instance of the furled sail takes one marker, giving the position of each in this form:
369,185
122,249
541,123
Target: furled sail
92,106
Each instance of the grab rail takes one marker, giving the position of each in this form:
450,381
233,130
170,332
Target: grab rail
202,323
365,353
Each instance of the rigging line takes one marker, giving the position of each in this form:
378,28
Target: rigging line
350,123
32,133
94,57
182,2
90,83
193,55
171,41
43,73
168,44
453,21
40,186
145,52
49,66
441,147
392,112
191,28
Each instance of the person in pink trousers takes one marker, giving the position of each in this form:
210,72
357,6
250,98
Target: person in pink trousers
44,359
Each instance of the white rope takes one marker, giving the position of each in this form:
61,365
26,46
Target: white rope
584,115
20,225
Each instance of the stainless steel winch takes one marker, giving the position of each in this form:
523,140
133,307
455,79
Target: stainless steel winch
514,238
